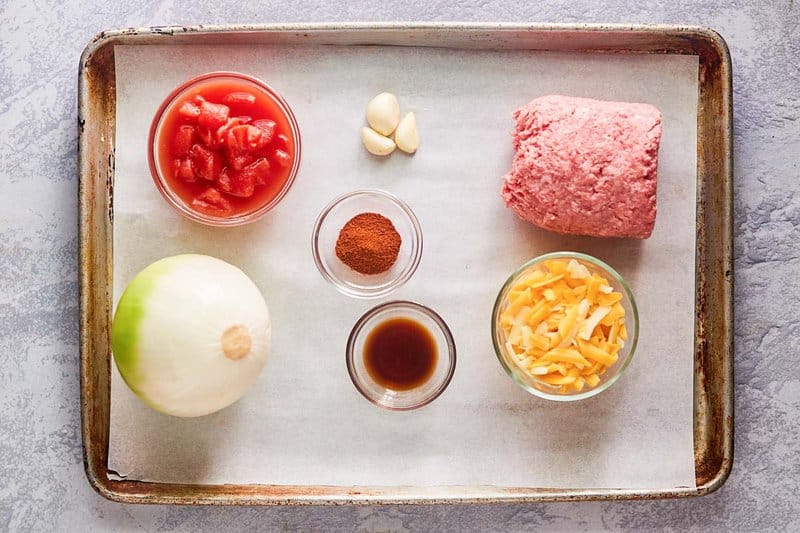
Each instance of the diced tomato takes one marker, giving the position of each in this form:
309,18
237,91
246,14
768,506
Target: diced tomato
245,138
212,200
282,158
259,170
239,98
242,184
267,126
184,139
222,131
207,137
184,169
189,110
238,183
212,116
224,180
236,140
257,138
207,164
217,162
238,162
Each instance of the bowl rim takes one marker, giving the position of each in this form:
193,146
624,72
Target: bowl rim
380,308
388,288
167,192
634,338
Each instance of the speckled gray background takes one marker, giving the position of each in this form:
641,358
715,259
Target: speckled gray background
42,485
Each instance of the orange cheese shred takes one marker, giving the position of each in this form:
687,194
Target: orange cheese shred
564,325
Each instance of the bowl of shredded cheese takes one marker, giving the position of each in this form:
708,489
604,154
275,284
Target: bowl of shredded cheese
565,326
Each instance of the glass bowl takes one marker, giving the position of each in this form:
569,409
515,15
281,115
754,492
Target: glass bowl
401,400
168,106
612,373
335,216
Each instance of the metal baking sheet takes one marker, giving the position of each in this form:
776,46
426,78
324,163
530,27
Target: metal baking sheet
541,38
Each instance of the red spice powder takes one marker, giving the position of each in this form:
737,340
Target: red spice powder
368,243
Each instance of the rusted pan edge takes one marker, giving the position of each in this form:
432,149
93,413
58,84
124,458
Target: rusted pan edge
96,127
178,494
714,417
713,353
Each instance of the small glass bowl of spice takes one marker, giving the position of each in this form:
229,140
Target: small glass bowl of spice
367,243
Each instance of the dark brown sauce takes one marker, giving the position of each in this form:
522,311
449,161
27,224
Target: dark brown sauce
400,354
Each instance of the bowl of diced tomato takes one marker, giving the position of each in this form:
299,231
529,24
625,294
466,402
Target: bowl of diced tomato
224,148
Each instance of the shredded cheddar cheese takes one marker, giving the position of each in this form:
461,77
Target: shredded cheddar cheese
564,325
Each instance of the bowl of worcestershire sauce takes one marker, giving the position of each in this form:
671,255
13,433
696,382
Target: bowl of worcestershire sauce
401,355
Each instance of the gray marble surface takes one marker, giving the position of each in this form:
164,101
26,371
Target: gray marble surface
42,485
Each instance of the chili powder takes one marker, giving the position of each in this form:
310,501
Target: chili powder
368,243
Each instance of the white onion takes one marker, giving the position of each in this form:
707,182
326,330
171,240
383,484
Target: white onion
191,334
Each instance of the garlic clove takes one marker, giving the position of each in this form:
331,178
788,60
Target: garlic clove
375,143
383,113
406,136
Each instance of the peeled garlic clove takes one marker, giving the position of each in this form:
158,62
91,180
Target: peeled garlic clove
383,113
375,143
406,135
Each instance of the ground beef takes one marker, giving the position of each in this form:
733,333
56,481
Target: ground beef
585,167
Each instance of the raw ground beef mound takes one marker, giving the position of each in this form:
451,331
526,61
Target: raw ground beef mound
585,167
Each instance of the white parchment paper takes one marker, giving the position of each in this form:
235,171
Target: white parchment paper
303,422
